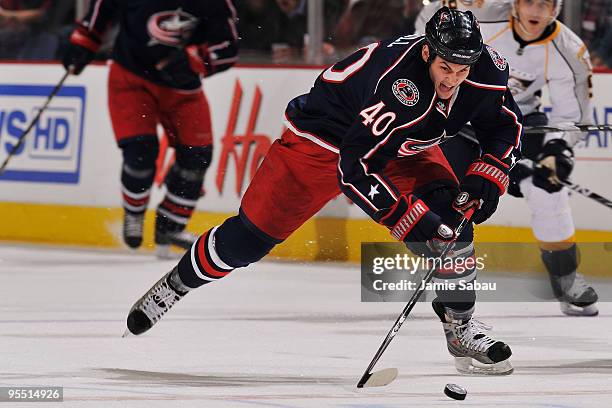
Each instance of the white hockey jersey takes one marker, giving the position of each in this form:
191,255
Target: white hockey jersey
559,61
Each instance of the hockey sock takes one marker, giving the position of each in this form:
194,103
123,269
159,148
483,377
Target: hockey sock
201,264
137,173
561,266
458,270
234,244
184,184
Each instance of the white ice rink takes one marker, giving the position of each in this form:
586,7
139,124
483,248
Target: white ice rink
274,335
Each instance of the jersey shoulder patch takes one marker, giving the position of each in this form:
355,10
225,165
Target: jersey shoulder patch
498,60
491,70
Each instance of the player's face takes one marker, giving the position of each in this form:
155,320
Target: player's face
447,76
534,16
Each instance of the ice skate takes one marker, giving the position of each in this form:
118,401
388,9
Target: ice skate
474,351
132,229
169,233
164,241
576,297
150,308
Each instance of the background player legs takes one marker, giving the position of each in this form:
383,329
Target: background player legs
553,226
185,116
183,188
133,111
137,174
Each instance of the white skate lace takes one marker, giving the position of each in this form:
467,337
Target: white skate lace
469,330
159,301
133,225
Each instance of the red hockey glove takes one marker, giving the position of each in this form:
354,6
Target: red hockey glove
81,49
181,67
483,184
422,230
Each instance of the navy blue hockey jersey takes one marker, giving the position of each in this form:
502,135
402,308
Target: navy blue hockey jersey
380,103
152,30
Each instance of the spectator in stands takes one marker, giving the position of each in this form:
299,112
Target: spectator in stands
596,30
602,55
258,24
21,30
367,21
280,26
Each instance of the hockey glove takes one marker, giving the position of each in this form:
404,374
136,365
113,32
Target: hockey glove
82,48
555,163
485,181
518,173
422,230
181,67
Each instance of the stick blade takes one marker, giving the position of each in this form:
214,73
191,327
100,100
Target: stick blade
379,378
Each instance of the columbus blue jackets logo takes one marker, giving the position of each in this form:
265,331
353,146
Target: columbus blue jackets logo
413,146
172,28
406,92
499,61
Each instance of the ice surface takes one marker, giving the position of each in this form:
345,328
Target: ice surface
274,335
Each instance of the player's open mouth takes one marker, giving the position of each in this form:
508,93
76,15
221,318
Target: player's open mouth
445,88
534,22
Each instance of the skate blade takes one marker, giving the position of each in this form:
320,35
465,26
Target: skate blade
470,366
380,378
126,333
573,310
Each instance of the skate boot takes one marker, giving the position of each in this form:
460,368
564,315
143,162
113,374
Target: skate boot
475,352
576,297
150,308
132,229
167,233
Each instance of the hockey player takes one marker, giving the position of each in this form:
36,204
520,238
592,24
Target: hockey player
370,128
162,50
541,52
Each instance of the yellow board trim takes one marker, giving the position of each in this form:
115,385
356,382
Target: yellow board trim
319,239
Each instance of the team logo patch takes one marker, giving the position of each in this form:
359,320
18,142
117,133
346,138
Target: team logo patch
412,146
444,17
171,28
406,92
499,61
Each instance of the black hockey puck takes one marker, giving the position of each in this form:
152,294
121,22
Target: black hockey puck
455,391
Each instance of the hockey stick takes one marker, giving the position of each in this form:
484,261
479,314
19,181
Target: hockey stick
583,191
383,377
587,193
572,186
568,128
34,121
